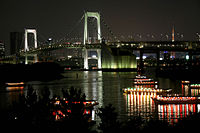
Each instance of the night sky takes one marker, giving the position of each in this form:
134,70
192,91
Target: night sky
55,18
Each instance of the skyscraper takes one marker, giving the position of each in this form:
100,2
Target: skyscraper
16,40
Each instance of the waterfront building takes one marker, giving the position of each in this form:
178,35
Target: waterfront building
2,49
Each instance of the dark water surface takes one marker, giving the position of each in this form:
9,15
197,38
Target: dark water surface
105,87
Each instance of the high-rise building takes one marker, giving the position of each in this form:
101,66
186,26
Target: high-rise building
16,40
2,49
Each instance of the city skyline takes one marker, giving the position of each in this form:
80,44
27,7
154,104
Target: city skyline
55,19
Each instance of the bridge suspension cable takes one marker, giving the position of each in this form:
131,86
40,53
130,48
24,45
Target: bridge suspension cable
114,37
65,38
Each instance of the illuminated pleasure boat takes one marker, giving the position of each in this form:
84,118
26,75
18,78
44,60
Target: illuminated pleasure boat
143,81
63,108
87,103
176,100
131,90
15,86
191,88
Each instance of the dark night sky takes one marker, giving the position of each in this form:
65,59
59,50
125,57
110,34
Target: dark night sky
56,17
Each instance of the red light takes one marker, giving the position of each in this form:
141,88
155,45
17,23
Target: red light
69,111
54,113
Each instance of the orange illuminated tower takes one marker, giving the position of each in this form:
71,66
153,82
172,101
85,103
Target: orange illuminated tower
173,54
173,34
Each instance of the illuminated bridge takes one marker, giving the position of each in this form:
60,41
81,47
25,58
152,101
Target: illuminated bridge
192,48
111,54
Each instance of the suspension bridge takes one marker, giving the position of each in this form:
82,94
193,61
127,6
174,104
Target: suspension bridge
107,46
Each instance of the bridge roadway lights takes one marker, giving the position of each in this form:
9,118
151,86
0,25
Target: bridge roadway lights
86,66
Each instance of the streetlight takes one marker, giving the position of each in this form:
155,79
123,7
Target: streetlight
50,40
198,36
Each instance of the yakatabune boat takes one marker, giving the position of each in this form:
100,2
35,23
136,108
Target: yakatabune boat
130,90
176,100
143,80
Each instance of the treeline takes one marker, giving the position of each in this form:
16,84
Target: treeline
38,71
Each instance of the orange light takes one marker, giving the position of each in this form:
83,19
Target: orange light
12,84
57,102
14,88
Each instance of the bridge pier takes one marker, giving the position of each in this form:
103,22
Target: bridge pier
85,59
141,66
85,54
26,59
158,58
99,58
35,58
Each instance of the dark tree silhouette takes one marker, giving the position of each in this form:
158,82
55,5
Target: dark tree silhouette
109,121
32,113
133,125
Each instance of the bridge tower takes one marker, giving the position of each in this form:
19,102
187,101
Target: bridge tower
33,31
86,38
26,47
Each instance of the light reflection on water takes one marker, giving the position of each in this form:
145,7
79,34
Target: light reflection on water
106,88
140,104
173,112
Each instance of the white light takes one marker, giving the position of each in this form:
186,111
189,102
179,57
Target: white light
69,56
144,57
94,56
93,115
161,58
187,57
137,58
